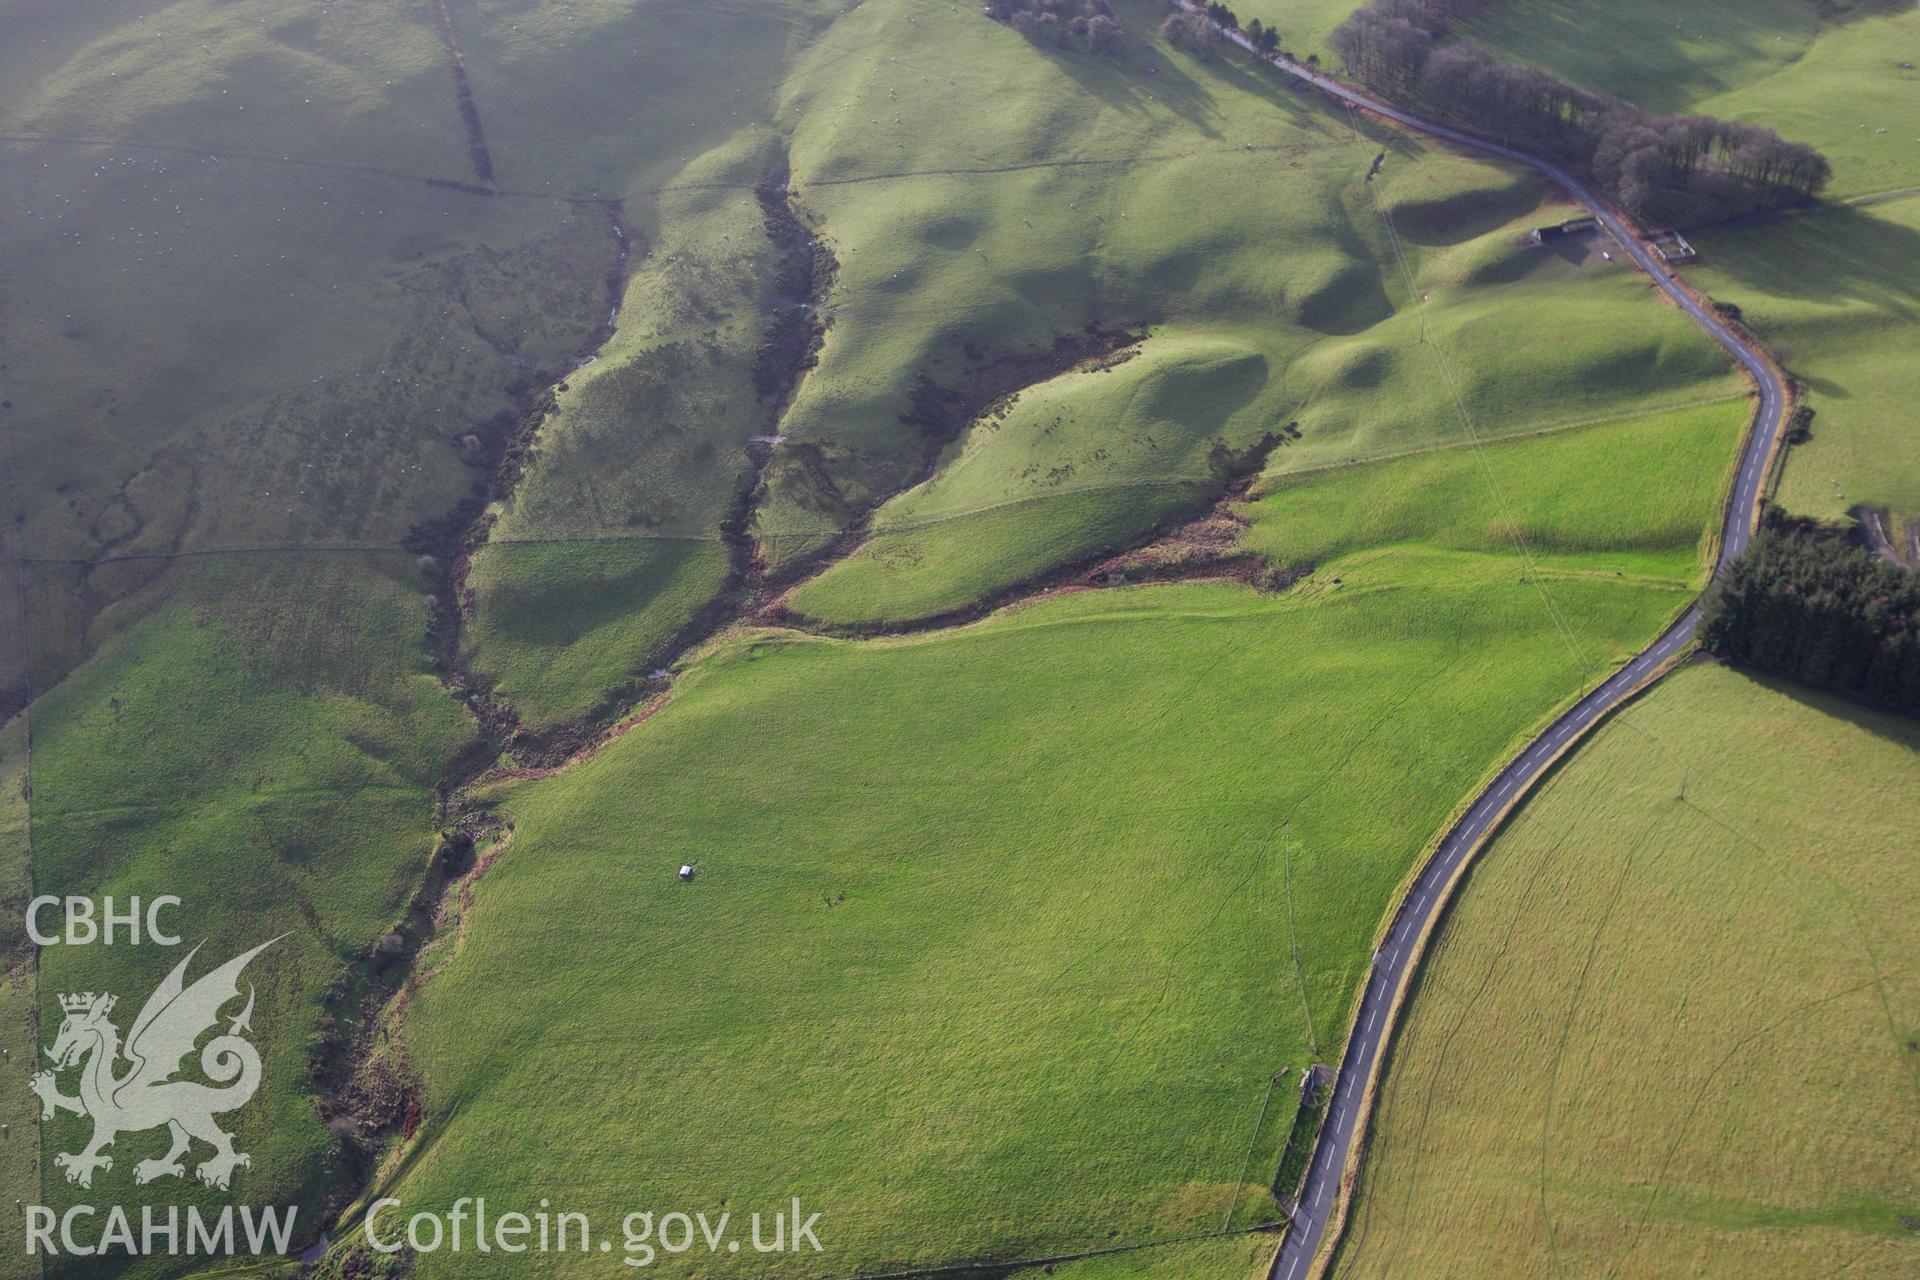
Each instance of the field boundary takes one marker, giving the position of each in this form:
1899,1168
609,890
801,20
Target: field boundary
468,186
1001,1268
1537,433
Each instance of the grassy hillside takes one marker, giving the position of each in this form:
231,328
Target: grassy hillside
277,775
559,625
986,918
20,1111
951,938
917,571
1833,291
1322,314
182,376
960,223
1668,1028
1825,73
969,240
1591,1108
243,329
260,305
629,480
1080,462
899,953
282,82
1546,495
1844,317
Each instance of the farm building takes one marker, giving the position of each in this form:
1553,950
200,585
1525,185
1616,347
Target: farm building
1571,227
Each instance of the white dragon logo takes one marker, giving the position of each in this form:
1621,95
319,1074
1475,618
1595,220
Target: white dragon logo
147,1096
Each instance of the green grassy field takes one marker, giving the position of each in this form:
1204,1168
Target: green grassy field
1824,73
1592,1108
1669,1026
1304,25
1091,221
1834,292
1227,1258
1307,316
965,236
1844,319
248,311
1662,472
19,1109
273,772
917,564
559,625
951,939
893,955
184,397
914,572
1001,933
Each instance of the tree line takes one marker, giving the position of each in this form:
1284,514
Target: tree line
1682,169
1192,32
1064,24
1806,604
1200,31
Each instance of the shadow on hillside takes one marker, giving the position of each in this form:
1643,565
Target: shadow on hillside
1892,725
1830,255
1130,86
1127,86
1745,32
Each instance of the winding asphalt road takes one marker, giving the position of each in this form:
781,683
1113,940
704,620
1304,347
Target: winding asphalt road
1400,951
